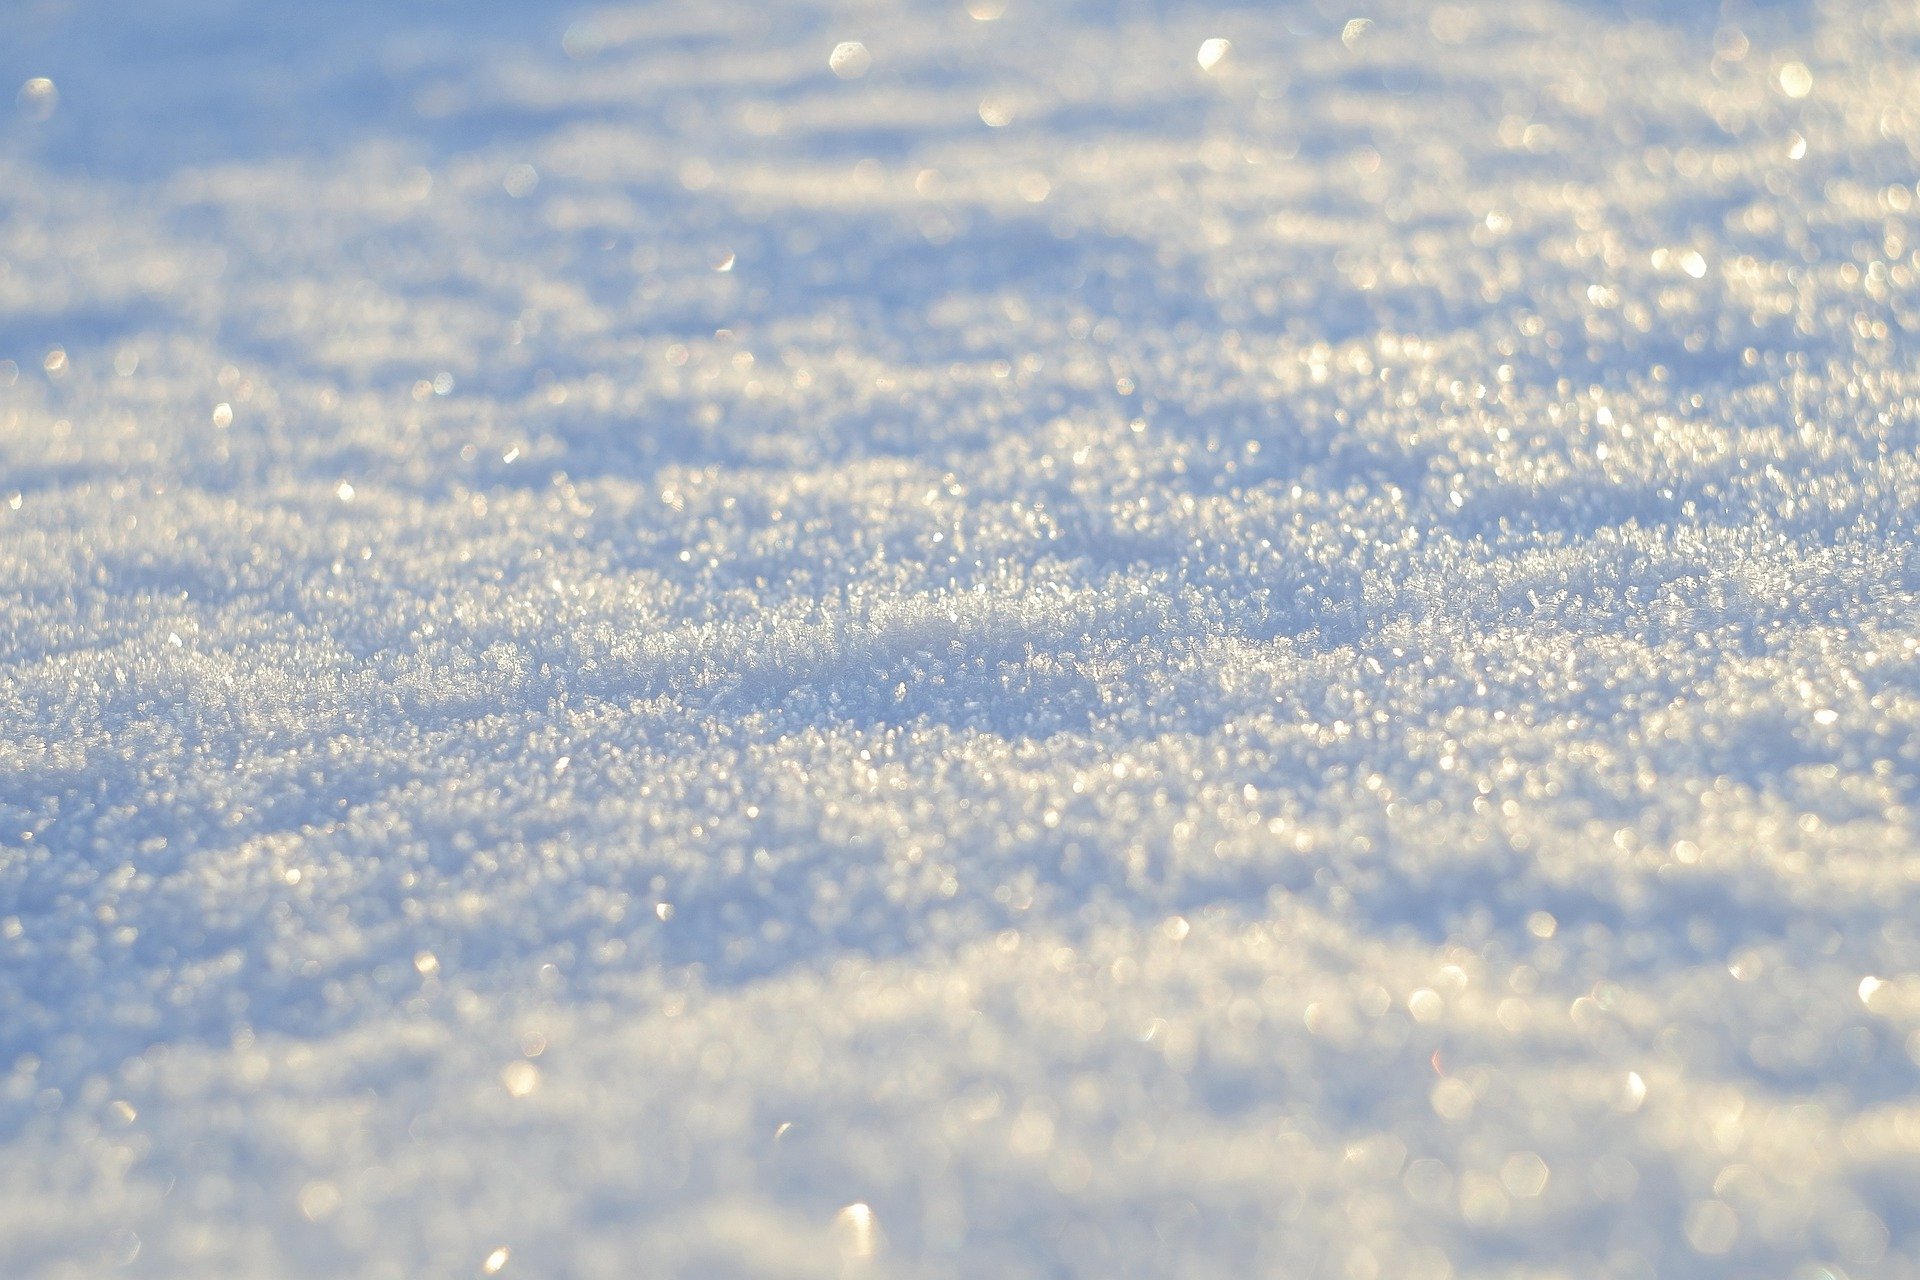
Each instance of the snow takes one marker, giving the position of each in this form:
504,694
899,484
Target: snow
993,639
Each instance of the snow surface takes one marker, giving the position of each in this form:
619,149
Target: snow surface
797,639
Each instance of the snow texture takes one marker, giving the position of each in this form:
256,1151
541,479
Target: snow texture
907,639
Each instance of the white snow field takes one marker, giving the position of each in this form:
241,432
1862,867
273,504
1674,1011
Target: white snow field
961,640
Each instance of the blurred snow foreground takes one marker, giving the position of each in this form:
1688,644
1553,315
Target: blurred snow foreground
1042,639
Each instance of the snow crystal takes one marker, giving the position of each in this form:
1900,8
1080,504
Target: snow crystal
937,639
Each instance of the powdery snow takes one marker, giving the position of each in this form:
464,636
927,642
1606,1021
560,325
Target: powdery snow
922,640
